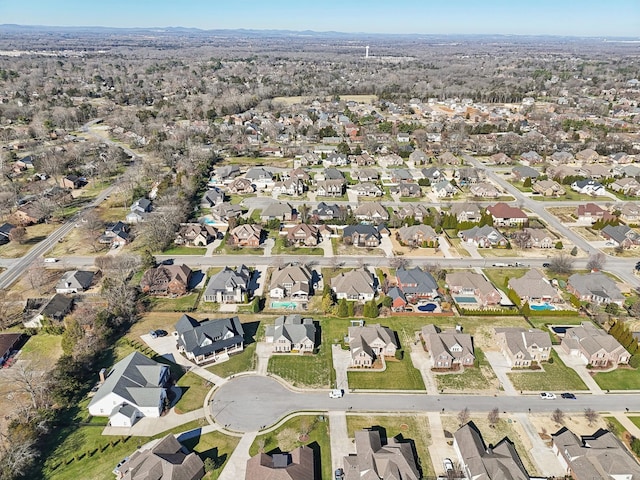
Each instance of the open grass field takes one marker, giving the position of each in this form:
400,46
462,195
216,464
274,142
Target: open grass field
214,445
35,234
242,362
180,304
182,250
477,378
413,428
556,376
280,247
43,348
619,379
399,375
310,430
194,389
498,275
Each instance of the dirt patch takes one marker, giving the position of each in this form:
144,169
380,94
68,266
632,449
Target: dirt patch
577,423
414,252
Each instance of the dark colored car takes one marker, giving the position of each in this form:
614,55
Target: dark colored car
546,265
339,474
161,333
568,396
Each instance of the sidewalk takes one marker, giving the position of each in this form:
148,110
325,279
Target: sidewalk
236,467
149,427
628,424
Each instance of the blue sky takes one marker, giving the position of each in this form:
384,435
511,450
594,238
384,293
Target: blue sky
523,17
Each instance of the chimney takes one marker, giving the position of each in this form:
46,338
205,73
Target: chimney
102,374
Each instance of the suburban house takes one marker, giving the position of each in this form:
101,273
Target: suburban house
522,172
300,174
371,212
466,212
411,190
448,348
367,189
292,281
588,155
72,182
366,175
170,280
530,158
327,212
484,190
548,188
229,286
136,387
483,237
501,158
443,189
5,233
591,213
523,347
299,464
398,299
260,177
363,235
208,340
418,157
630,212
594,346
290,186
535,238
466,175
601,452
417,284
533,287
471,283
212,197
370,342
588,187
433,174
417,212
241,186
74,281
166,459
223,212
505,215
139,211
196,235
224,174
372,460
246,236
277,211
626,186
9,342
499,461
336,160
354,285
116,235
54,309
595,287
292,333
26,214
621,235
331,188
417,236
303,235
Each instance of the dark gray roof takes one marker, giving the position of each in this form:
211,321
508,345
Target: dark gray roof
366,230
5,229
228,278
75,279
293,327
58,307
208,336
423,281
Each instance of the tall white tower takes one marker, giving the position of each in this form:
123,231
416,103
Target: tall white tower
366,51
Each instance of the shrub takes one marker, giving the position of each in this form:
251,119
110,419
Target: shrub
399,354
559,246
634,361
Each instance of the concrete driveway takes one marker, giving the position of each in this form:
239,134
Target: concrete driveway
547,462
268,246
264,351
166,347
581,369
341,444
258,279
341,361
386,246
327,246
501,368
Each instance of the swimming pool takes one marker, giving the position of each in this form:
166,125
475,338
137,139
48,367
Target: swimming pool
542,306
465,299
209,221
429,307
287,305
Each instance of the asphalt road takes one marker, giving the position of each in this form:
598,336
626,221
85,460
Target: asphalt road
248,403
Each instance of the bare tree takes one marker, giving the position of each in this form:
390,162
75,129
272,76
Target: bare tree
521,238
33,380
18,234
493,417
596,261
398,262
37,276
92,225
558,416
591,415
463,416
561,264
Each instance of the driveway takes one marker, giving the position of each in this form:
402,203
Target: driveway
327,246
341,361
386,246
268,246
501,368
166,347
341,444
581,369
236,467
258,279
422,361
443,245
439,448
264,351
547,462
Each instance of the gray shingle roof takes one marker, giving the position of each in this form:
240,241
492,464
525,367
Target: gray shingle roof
416,281
295,328
208,336
228,279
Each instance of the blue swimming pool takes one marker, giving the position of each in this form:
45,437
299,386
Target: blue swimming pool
542,306
429,307
209,221
287,305
465,299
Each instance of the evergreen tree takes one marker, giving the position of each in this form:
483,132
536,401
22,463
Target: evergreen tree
343,310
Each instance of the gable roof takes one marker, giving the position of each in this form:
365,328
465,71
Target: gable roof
356,282
294,328
296,465
415,280
504,210
597,284
75,279
532,284
291,274
519,340
228,278
208,336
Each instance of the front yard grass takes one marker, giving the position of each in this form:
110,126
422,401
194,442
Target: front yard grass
241,362
194,389
186,303
43,348
310,430
622,378
481,377
214,445
411,428
281,247
399,375
556,376
231,250
182,250
497,276
35,234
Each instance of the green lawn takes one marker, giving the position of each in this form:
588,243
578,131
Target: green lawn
186,303
289,437
399,375
42,348
242,362
615,426
543,322
497,276
182,250
636,421
280,247
476,378
214,445
194,389
412,428
556,376
619,379
231,250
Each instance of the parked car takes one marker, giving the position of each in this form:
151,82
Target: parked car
339,474
548,396
448,465
116,470
568,396
161,333
336,393
153,334
546,265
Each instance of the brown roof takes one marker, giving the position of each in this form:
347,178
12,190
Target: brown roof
8,341
503,210
297,465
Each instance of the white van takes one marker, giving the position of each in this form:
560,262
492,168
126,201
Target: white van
50,260
336,393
